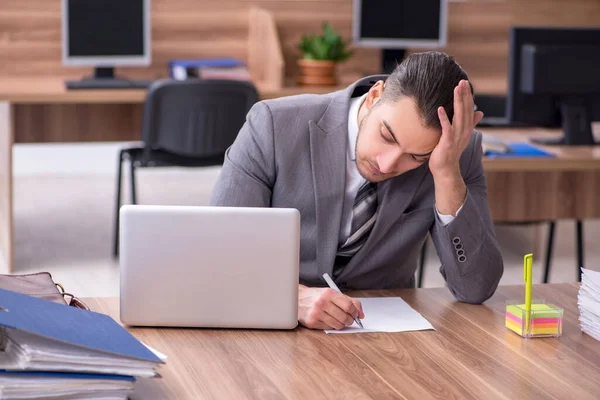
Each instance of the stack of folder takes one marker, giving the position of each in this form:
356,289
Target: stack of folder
209,68
53,351
589,303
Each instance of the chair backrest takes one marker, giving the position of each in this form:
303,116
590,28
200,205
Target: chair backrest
195,118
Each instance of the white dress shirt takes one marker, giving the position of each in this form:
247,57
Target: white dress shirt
354,179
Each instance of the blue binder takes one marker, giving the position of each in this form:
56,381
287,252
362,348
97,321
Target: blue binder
520,149
183,68
67,375
81,328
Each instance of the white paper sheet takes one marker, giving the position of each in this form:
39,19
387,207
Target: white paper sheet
387,314
588,300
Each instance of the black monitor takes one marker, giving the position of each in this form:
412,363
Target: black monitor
554,81
105,34
396,25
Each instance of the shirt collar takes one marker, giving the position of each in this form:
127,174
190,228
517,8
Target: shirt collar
353,125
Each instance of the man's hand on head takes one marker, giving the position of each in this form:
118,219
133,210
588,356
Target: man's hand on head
444,160
444,163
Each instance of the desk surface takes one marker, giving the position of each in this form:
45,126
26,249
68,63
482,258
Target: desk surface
52,90
470,355
569,158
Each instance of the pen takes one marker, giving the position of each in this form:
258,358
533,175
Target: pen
332,285
527,278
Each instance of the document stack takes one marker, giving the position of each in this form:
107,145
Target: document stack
589,303
53,351
210,68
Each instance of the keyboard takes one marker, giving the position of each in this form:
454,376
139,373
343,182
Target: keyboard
108,83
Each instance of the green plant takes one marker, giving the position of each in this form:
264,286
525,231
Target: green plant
328,46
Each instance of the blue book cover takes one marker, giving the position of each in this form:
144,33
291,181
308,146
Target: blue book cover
225,62
67,375
520,149
78,327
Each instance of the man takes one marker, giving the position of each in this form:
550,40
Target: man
373,169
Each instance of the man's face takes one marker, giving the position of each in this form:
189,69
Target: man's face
391,138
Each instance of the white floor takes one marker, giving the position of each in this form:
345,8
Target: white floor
64,209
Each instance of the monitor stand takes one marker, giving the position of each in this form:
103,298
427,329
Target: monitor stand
102,73
104,78
576,124
390,58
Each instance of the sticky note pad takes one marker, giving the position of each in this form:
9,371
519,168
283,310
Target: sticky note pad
545,320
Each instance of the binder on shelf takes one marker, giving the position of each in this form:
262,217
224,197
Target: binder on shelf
208,68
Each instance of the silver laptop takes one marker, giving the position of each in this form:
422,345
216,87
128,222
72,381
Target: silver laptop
213,267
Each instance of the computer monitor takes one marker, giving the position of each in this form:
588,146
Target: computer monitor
553,81
396,25
105,34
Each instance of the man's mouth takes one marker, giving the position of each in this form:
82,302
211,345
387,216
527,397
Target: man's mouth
375,170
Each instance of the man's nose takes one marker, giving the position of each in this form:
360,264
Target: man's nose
388,161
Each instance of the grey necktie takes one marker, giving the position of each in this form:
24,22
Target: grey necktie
364,213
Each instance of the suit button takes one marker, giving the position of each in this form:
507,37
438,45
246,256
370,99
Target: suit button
458,246
462,258
456,240
460,252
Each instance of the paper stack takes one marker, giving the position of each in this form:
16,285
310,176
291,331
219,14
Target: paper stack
589,303
53,351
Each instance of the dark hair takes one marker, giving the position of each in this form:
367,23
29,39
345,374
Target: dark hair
429,79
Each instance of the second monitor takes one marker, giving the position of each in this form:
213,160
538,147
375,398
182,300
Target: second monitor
554,81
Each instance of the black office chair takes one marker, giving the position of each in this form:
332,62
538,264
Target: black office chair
188,124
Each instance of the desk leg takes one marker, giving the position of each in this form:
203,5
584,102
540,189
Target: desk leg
6,210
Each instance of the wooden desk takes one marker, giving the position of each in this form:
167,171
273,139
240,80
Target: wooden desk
537,189
471,355
52,91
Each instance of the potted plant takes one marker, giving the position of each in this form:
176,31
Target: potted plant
321,53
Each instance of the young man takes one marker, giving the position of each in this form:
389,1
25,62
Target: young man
373,169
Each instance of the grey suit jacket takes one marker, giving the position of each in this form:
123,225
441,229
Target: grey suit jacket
291,152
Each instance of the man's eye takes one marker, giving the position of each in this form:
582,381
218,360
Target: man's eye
385,137
419,159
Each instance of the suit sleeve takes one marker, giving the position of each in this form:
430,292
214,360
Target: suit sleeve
467,247
248,173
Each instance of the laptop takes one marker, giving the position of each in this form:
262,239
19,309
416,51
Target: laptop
209,267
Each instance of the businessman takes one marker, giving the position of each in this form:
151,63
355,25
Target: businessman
373,169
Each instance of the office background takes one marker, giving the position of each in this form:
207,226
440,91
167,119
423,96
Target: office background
64,187
478,34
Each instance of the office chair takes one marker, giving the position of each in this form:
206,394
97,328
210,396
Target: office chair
187,124
547,261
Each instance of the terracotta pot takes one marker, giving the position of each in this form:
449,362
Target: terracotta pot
317,72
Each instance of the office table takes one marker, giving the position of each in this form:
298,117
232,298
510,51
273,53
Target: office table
40,109
470,355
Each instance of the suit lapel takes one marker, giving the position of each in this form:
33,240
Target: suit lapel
328,158
395,197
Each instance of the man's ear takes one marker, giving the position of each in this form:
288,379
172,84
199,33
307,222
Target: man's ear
374,94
